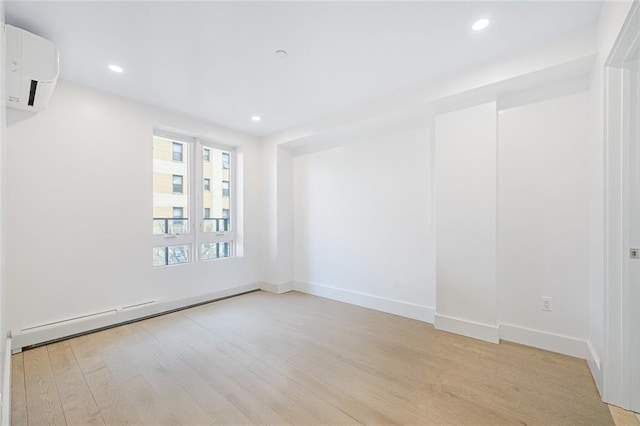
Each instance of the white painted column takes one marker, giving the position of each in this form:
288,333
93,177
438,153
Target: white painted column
466,222
278,224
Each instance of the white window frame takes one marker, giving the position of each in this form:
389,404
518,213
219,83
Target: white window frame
184,238
220,236
196,193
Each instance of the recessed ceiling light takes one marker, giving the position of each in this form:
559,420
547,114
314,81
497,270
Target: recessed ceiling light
115,68
281,53
256,118
480,24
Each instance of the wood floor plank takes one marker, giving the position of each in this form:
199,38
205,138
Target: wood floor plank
624,417
111,399
269,381
75,396
18,391
166,389
43,402
209,399
241,389
297,359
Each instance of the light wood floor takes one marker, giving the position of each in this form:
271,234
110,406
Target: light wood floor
623,417
296,359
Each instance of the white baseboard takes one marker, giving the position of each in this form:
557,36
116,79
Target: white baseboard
397,307
68,327
490,333
6,385
565,345
476,330
593,360
277,288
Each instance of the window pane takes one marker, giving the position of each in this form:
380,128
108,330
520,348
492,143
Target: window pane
177,151
177,184
170,255
210,251
170,186
216,199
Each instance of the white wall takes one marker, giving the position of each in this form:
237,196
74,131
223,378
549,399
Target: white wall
363,223
543,211
466,184
5,413
79,209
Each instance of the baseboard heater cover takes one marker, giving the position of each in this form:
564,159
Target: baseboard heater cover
44,334
55,330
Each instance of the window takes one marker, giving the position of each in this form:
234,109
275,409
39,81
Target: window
183,234
172,241
177,184
170,255
177,226
210,251
177,151
217,228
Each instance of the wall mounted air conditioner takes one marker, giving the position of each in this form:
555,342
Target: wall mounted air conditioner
32,70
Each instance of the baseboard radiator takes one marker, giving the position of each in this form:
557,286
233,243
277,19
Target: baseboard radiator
63,329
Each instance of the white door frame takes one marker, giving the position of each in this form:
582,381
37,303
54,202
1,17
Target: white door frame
618,362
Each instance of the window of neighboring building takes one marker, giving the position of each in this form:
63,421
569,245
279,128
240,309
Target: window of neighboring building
225,188
177,226
225,160
207,213
207,184
178,184
177,151
225,213
206,153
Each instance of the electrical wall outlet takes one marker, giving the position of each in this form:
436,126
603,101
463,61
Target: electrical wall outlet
547,304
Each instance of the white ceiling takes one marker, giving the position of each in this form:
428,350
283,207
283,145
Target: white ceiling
216,61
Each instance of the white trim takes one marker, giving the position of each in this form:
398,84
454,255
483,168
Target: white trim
553,342
384,304
593,360
6,385
616,367
277,288
68,327
487,332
